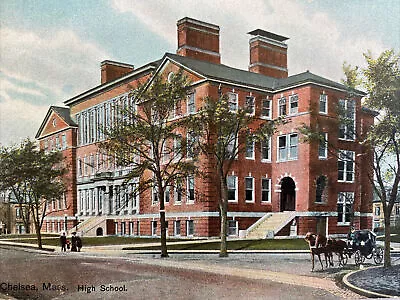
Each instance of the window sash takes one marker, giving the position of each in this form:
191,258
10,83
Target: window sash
250,149
250,104
323,147
232,188
266,149
282,106
346,164
249,189
266,108
294,104
233,101
191,103
323,103
265,190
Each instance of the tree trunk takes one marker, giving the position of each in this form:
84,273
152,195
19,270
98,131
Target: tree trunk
164,250
387,260
39,237
224,216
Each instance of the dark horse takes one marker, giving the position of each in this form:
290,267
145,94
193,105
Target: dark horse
338,247
317,244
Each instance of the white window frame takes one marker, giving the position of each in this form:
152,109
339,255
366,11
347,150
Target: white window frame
287,148
190,184
282,102
191,103
188,233
323,145
348,159
234,228
167,194
233,101
178,193
323,98
190,142
249,153
348,136
250,105
267,108
154,195
153,228
293,99
176,227
268,143
246,189
266,189
344,198
235,178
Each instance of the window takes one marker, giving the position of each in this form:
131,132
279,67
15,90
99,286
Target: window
189,227
154,228
178,147
347,117
377,211
397,210
177,227
191,145
323,103
233,101
282,107
288,147
232,228
155,194
294,104
323,147
232,188
321,190
123,228
249,189
18,212
191,104
266,109
190,189
266,149
344,207
266,190
178,192
249,149
58,146
250,105
346,166
231,146
64,141
167,194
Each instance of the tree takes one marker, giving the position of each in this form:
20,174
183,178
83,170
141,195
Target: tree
381,79
34,177
153,140
225,132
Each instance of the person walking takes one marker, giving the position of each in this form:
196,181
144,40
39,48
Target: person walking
78,243
73,242
63,242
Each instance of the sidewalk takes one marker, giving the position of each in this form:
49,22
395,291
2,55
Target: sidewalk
365,282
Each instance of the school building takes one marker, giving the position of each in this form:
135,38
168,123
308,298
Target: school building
282,186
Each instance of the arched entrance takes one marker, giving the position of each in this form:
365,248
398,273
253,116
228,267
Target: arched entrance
99,231
288,194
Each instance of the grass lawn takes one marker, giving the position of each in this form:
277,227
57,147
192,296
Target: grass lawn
290,244
24,236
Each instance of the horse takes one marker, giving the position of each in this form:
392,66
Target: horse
317,244
338,247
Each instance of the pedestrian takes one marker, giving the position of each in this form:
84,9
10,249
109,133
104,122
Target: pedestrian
63,242
78,243
73,242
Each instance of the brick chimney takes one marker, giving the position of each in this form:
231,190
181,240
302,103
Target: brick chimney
268,54
111,70
199,40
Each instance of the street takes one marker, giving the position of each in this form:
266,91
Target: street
33,275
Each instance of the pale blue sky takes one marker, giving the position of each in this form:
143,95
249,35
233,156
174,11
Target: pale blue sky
51,50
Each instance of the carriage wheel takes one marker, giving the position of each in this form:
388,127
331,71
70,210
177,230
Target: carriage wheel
358,258
378,255
344,259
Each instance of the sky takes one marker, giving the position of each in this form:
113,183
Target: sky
51,50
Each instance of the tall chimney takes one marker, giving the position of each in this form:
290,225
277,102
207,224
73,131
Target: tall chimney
198,39
268,54
111,70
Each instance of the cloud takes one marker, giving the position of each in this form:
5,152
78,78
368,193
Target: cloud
317,42
38,69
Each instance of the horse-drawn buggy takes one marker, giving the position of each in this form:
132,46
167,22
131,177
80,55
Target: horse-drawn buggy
362,244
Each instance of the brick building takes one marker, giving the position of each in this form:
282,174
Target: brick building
282,186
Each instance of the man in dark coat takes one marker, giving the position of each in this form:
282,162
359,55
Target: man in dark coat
78,243
63,242
73,242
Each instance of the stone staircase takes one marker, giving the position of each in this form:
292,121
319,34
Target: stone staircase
269,225
90,224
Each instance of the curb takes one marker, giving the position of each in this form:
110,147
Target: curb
362,291
2,244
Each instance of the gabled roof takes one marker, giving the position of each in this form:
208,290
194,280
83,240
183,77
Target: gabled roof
224,73
228,74
62,112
